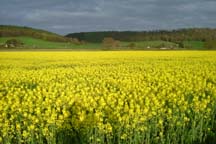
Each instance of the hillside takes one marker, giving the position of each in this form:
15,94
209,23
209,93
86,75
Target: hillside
198,39
192,34
17,31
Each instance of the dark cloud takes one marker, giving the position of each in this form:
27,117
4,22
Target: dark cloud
65,16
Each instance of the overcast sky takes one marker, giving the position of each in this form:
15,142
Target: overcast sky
66,16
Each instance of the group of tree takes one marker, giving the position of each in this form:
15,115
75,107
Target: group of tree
109,42
76,41
12,43
198,34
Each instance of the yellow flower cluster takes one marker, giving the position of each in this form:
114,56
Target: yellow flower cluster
107,97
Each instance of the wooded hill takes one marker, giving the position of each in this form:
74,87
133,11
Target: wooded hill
192,34
15,31
194,38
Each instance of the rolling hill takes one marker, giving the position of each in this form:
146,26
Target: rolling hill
196,38
17,31
34,38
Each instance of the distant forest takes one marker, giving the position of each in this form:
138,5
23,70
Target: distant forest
192,34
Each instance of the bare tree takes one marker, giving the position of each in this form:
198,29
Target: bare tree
109,42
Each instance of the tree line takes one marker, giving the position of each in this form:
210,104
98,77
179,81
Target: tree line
195,34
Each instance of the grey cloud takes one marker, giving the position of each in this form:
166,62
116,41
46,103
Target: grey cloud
64,16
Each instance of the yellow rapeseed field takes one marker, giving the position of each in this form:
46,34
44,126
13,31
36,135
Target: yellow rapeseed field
134,97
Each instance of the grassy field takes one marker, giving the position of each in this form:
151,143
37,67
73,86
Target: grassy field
33,43
42,44
108,97
194,44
